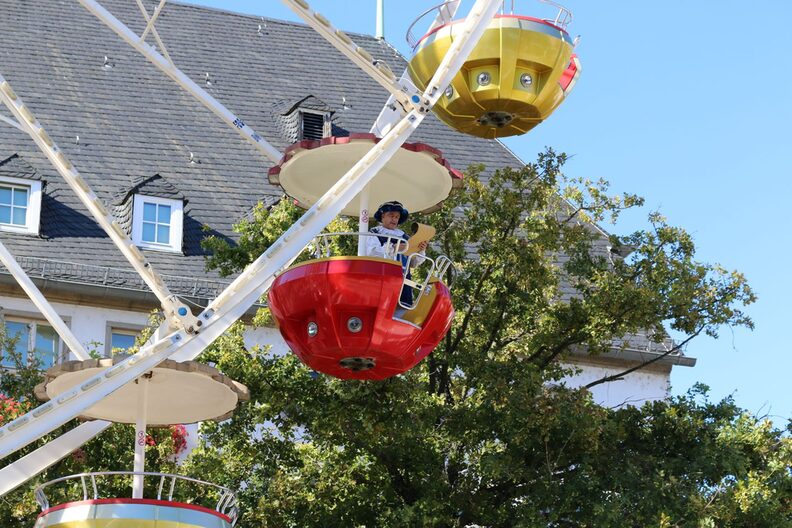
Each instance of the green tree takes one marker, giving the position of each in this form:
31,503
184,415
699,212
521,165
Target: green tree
482,432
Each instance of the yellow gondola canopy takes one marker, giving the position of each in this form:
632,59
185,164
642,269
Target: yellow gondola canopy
516,76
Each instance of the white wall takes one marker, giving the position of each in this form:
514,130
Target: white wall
87,323
266,336
648,384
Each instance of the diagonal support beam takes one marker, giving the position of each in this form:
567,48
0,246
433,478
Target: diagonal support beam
42,304
30,465
150,27
177,312
257,278
402,92
390,112
11,122
153,20
182,80
220,314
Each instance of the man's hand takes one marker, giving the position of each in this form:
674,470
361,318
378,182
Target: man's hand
422,245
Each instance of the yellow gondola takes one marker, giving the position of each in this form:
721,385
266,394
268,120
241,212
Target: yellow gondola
515,77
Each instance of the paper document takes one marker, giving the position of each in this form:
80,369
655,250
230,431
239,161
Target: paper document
419,233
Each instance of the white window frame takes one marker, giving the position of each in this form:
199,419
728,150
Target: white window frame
119,328
176,225
33,216
32,323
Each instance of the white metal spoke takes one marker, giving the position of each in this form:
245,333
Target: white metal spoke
11,122
175,309
390,112
389,115
42,304
377,70
14,475
150,26
221,313
153,19
131,38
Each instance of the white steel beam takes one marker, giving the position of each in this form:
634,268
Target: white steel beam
219,315
14,475
150,21
182,80
258,276
177,312
42,304
11,122
150,27
140,436
405,94
391,113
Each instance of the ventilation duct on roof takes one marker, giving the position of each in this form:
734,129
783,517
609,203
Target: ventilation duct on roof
308,118
314,125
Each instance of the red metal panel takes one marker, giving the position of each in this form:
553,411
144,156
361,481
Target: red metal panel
329,293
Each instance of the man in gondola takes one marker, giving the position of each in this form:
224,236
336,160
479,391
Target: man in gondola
390,216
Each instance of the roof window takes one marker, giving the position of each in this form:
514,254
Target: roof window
20,205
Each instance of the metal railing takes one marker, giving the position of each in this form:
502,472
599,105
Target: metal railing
562,18
226,503
444,11
125,279
322,246
437,271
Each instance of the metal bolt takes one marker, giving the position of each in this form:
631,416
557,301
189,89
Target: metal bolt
449,91
483,78
355,325
313,329
526,80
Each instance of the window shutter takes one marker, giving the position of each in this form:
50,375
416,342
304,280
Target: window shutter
314,125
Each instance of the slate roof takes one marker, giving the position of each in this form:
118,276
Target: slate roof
134,123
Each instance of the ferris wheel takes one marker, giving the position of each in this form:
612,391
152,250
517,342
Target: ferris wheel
492,73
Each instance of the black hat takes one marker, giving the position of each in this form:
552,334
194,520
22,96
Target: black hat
387,207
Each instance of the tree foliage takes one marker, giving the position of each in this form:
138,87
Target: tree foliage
485,432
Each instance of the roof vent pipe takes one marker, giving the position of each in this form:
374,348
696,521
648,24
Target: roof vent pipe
380,19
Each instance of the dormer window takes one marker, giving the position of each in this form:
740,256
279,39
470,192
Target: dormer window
20,205
157,223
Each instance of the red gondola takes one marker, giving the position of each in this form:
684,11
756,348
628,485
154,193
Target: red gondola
337,315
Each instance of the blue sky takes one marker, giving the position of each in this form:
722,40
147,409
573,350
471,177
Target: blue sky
686,104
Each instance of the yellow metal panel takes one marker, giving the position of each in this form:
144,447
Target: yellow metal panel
418,314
